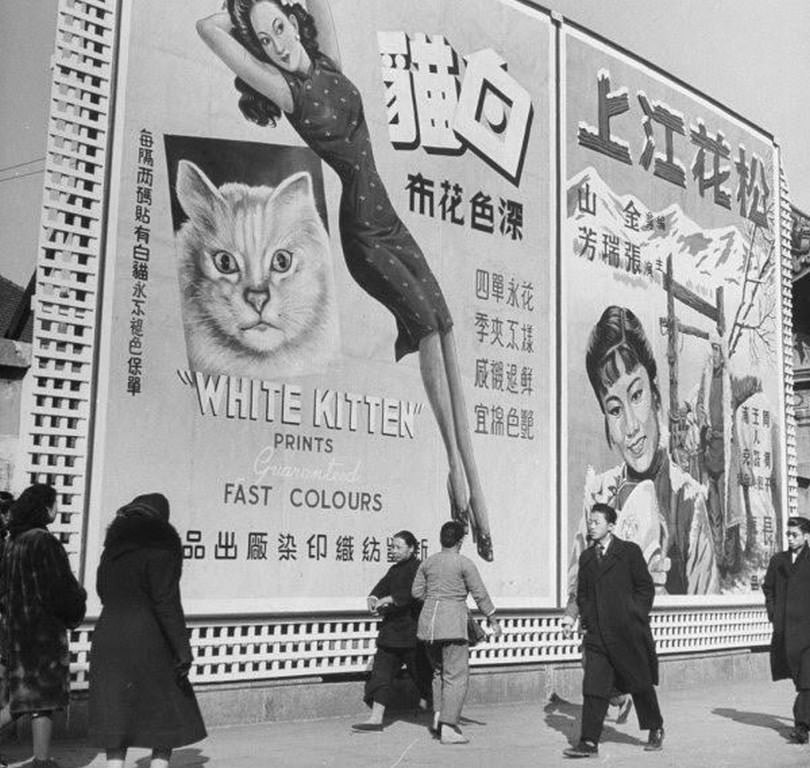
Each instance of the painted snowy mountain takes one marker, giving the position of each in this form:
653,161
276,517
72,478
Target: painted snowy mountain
707,258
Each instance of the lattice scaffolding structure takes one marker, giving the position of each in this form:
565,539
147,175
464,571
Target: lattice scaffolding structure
791,456
57,407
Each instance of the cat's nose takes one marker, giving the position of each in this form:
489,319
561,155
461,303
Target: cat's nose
257,298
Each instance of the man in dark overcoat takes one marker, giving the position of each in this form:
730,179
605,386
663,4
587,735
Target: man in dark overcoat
787,599
615,594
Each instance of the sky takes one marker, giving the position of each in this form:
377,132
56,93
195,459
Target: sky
752,56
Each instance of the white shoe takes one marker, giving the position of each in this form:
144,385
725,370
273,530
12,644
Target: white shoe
451,734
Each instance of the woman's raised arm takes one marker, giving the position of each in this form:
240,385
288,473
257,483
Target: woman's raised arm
324,23
215,31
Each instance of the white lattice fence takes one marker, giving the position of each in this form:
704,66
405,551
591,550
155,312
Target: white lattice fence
232,651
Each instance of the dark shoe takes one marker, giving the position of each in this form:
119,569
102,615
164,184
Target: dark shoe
367,727
583,749
656,740
798,735
624,710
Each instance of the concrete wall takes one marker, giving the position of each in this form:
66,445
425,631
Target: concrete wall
309,699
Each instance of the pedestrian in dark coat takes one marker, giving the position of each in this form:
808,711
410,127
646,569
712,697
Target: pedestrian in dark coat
787,599
41,600
391,598
615,595
140,655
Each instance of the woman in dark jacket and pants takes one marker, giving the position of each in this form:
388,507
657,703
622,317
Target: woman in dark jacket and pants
41,600
396,642
140,656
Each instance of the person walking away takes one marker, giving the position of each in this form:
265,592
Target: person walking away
41,600
787,600
140,655
397,643
443,582
615,594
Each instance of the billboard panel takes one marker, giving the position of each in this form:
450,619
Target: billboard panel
672,316
332,321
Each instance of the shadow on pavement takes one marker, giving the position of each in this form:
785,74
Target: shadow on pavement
758,719
66,755
565,717
181,758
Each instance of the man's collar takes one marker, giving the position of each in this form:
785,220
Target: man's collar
605,543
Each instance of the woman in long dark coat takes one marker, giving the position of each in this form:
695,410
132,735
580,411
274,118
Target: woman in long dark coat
41,600
391,598
140,656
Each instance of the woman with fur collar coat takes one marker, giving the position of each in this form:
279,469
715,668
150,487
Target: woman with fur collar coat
41,599
140,656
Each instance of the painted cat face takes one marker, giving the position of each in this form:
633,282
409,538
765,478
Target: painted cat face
255,271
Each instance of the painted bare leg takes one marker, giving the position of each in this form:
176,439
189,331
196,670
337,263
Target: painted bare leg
434,378
479,522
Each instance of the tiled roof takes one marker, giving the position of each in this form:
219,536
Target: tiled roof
11,295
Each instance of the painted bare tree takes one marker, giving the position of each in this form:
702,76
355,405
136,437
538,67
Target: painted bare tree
756,315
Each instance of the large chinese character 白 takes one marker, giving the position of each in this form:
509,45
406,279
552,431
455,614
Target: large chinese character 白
494,114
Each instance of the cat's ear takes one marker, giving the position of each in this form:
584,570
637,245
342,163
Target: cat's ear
294,188
198,197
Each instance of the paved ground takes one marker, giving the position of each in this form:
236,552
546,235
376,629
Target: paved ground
739,725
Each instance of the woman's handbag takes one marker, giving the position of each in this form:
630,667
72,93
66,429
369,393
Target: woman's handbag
475,632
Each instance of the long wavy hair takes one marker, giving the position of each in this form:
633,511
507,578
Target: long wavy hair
255,106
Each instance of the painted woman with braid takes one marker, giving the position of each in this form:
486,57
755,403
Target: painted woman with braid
285,58
660,507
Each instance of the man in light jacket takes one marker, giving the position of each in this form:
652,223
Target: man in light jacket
443,582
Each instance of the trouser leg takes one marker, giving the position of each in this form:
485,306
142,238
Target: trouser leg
594,709
434,654
385,667
647,709
801,708
454,680
419,667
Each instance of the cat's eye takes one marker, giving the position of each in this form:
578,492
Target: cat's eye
224,262
282,261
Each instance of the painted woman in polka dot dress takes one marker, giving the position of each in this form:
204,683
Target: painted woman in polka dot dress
285,58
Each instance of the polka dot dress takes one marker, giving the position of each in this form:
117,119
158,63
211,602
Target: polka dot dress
380,252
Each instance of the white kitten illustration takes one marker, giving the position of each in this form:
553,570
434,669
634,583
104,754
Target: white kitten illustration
256,279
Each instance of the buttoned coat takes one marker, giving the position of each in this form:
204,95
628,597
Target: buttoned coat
787,600
443,582
615,597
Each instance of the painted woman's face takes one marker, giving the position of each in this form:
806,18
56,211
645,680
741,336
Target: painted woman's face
632,418
278,35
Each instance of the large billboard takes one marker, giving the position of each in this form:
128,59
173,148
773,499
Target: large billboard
329,293
671,305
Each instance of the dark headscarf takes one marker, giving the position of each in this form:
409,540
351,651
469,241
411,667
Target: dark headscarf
147,505
32,509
